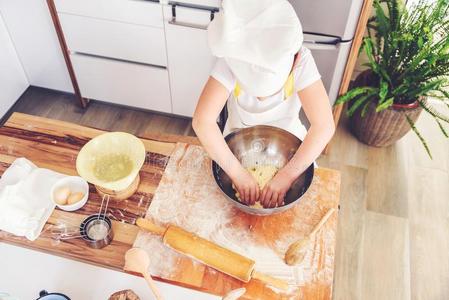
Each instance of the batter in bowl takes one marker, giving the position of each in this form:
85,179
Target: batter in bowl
262,175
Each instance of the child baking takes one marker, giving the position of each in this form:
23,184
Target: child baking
264,75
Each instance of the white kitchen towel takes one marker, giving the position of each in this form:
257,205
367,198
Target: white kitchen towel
25,200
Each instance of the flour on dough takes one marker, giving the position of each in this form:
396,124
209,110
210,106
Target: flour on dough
262,174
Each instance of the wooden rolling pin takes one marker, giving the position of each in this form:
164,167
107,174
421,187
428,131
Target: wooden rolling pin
210,254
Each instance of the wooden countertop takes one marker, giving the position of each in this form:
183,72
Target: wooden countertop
54,145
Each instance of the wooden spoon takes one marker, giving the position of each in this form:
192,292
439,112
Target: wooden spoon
295,254
137,260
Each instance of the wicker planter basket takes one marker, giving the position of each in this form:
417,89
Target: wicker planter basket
386,127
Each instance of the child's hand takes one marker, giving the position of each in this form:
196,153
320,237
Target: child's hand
275,190
246,186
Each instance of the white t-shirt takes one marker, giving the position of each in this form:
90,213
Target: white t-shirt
277,110
305,73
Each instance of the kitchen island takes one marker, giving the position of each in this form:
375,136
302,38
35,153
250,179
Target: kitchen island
54,145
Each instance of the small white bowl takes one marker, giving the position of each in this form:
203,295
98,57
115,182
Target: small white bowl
75,184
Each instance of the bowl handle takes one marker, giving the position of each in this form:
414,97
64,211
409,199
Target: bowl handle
43,293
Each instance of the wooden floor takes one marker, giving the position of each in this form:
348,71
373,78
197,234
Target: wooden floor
393,236
62,106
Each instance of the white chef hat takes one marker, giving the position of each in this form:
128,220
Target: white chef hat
258,39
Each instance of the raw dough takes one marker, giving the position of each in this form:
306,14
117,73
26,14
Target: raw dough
262,174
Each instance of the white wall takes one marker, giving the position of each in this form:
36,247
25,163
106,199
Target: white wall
13,81
32,32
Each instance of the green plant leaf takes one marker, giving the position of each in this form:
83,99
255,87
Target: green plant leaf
365,109
420,41
386,104
368,47
443,130
382,21
359,102
408,49
445,93
424,89
433,112
395,12
418,134
384,74
383,90
353,93
400,90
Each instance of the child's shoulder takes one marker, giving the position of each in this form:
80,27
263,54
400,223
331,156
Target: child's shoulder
223,74
306,71
304,54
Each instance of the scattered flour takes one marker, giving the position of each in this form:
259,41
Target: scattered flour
189,198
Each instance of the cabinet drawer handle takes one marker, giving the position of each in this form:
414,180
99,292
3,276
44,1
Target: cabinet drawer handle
185,24
109,58
173,21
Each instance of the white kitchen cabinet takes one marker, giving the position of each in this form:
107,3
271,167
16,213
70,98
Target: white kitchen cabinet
13,81
122,82
113,39
128,11
189,58
118,51
33,34
210,3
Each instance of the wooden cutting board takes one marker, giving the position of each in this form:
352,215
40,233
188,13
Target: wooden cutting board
188,197
54,144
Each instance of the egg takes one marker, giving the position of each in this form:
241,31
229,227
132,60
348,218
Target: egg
61,195
74,198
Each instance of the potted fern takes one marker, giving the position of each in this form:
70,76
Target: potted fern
408,62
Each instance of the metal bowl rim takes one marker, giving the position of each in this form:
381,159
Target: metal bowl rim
263,211
237,131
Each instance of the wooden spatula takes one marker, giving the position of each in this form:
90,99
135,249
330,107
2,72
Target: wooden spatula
295,254
137,260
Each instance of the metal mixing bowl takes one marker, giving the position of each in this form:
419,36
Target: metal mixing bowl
263,145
